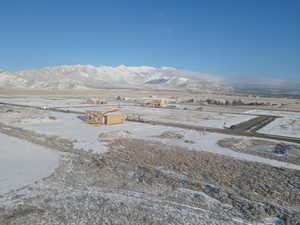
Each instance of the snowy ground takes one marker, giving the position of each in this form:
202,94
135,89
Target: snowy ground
86,137
288,125
83,178
57,101
192,117
22,163
43,101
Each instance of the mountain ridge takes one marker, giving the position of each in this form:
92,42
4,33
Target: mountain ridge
96,77
82,76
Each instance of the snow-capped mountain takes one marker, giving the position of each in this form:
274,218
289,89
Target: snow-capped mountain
92,77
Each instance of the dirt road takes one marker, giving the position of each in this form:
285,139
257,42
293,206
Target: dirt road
254,124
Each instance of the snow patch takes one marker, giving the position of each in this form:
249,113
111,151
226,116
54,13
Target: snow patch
22,163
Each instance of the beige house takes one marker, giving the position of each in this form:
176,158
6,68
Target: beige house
107,117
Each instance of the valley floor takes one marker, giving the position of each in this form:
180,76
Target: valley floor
56,169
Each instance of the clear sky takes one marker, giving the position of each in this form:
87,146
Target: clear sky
251,38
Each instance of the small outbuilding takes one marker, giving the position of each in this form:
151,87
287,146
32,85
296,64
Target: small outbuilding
107,117
114,118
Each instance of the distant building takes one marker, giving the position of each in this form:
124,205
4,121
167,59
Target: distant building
156,103
94,102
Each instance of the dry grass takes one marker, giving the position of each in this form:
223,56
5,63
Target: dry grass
176,158
243,176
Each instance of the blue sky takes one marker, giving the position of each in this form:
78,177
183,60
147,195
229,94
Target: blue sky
251,38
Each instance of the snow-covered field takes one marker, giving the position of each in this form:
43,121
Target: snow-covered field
191,117
22,163
43,101
71,103
78,180
17,154
88,137
199,118
287,125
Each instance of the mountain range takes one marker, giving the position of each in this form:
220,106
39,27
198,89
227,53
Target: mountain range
140,77
97,77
